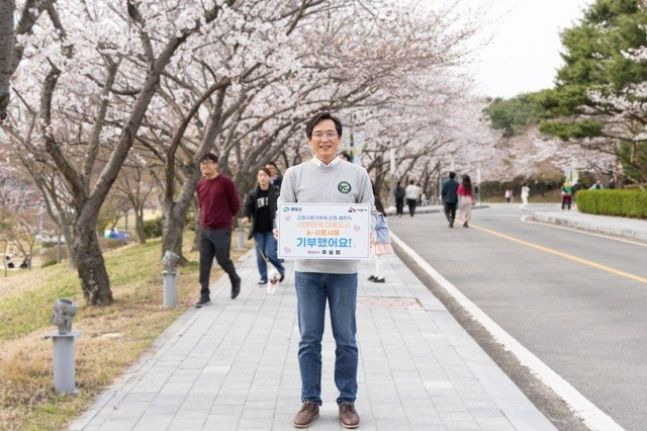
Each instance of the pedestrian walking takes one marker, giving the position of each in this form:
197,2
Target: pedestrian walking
275,178
380,238
567,195
508,195
345,155
449,196
399,199
412,194
326,179
423,200
525,192
466,200
260,210
380,244
218,202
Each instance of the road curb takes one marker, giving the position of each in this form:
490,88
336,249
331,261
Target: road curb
627,233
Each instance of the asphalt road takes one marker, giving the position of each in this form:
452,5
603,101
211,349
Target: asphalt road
578,302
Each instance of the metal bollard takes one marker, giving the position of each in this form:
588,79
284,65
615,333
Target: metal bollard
169,289
170,276
64,361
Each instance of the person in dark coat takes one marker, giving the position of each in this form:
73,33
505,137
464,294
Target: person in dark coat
378,201
260,209
275,178
399,199
450,198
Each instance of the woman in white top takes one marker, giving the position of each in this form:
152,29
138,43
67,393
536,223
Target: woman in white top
525,192
412,194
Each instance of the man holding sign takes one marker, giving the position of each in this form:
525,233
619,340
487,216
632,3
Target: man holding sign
326,179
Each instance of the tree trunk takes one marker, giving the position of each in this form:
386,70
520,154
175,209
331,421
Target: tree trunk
7,9
91,267
139,226
173,232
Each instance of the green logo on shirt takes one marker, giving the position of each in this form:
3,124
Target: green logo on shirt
344,187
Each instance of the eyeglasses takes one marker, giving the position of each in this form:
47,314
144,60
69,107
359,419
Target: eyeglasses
330,134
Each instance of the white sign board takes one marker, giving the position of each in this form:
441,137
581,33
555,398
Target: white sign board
323,231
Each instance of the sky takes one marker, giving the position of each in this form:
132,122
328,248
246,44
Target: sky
523,53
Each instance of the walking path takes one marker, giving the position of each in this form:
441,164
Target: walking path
233,365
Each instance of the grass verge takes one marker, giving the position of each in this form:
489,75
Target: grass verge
113,336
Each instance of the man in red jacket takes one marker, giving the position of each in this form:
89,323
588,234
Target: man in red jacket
219,203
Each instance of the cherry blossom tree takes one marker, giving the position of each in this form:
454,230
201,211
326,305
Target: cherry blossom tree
319,62
69,67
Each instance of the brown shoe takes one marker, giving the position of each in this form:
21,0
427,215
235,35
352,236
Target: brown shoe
307,415
348,415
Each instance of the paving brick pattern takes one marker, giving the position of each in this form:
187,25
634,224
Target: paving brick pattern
233,366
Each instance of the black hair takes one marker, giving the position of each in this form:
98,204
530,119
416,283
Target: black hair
452,175
209,156
273,163
467,183
318,119
346,155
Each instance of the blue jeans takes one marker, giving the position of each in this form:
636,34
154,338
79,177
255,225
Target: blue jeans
313,289
266,244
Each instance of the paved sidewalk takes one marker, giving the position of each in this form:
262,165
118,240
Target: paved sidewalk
233,365
630,228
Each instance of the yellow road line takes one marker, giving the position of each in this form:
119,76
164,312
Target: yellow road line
564,255
583,232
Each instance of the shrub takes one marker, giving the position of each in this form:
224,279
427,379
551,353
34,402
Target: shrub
49,256
153,228
49,263
623,203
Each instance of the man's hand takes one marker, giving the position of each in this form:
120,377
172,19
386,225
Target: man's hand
275,232
246,220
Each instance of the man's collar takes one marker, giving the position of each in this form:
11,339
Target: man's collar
321,164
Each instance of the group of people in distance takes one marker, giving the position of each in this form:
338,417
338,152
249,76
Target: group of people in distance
412,194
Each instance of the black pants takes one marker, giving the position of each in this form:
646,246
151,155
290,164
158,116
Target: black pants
566,201
450,210
399,205
412,206
215,243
